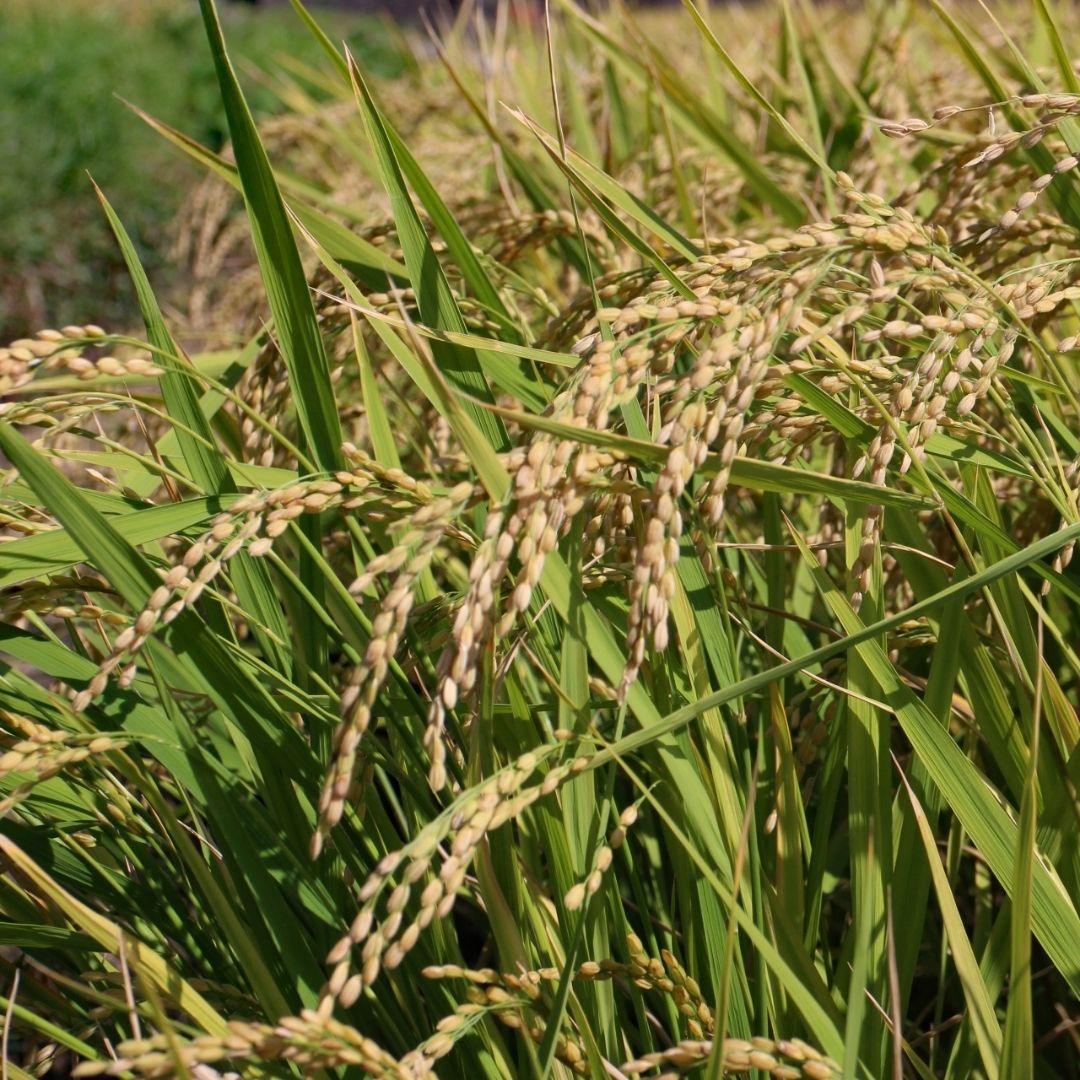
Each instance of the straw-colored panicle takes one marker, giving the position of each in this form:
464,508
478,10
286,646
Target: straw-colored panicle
785,1059
60,352
549,476
232,531
829,535
252,524
451,1028
663,974
42,753
511,237
310,1042
513,998
1051,110
452,839
506,997
607,531
666,975
732,397
1037,294
550,480
55,599
580,893
404,564
264,386
544,498
653,582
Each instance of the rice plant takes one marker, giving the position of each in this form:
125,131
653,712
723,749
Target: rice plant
581,582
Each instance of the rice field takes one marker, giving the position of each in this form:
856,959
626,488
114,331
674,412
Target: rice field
578,581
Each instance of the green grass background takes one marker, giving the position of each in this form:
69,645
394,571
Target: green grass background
63,66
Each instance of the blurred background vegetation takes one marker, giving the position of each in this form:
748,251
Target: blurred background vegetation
64,65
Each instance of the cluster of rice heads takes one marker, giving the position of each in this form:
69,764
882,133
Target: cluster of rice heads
583,589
